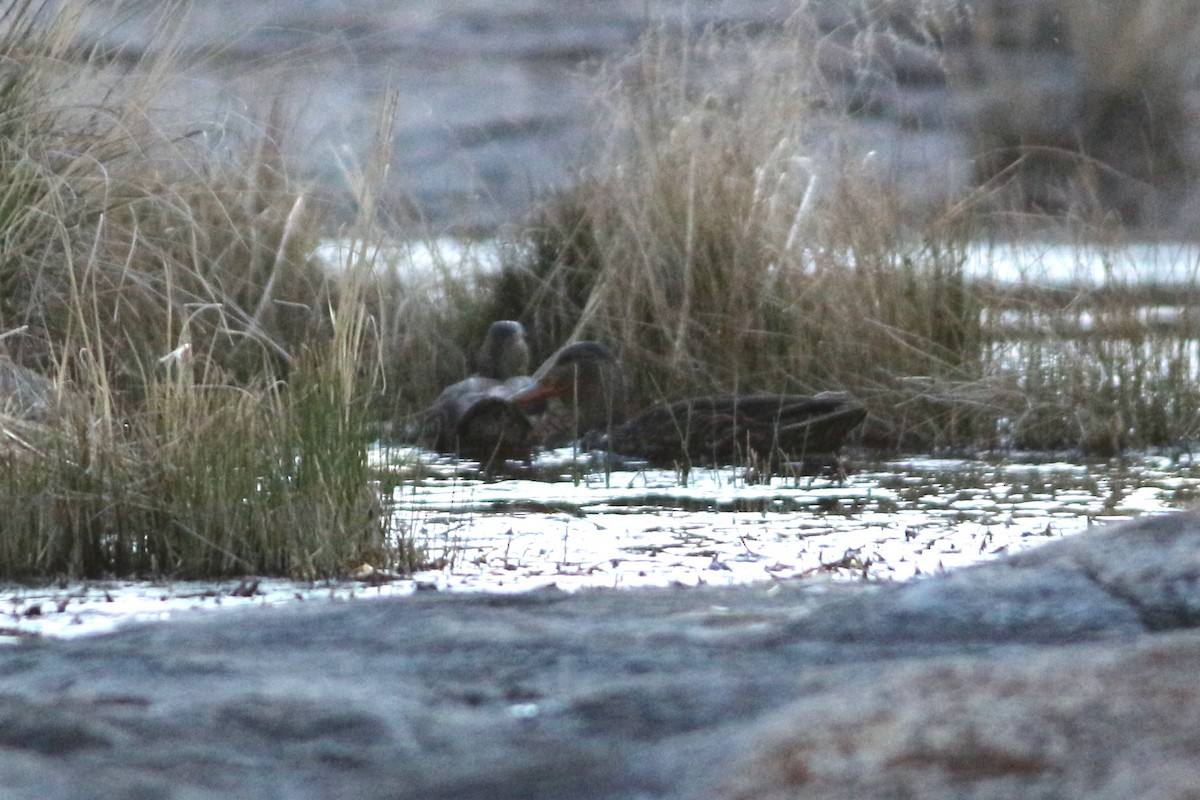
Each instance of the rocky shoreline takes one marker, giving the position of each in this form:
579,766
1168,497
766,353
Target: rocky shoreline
1066,671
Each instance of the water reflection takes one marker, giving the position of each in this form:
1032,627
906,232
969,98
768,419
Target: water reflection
891,520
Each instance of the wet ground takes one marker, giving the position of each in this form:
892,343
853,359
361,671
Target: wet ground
887,521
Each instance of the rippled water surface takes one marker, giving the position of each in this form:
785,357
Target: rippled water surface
891,521
886,521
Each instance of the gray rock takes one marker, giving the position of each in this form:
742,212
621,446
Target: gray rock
1067,671
1118,720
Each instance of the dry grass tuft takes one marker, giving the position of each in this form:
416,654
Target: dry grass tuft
727,237
210,414
711,242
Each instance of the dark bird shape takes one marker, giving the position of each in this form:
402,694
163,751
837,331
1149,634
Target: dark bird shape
764,429
504,353
578,395
486,428
474,418
578,389
496,415
501,366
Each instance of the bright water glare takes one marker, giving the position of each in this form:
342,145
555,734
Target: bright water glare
895,520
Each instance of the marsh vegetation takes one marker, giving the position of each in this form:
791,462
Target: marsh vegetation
215,385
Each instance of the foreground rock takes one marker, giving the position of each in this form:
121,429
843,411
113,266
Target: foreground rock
1069,671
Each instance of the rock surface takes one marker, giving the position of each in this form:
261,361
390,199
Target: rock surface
1069,671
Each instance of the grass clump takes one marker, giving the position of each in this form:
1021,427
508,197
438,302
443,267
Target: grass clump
210,409
1100,369
205,481
730,234
711,242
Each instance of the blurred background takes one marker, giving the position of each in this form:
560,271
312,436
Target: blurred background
1061,107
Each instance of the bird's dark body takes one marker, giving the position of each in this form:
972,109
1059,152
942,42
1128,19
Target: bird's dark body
577,396
735,429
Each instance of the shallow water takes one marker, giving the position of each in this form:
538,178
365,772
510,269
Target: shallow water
571,525
891,521
886,521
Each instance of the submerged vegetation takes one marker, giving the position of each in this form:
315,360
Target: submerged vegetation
213,386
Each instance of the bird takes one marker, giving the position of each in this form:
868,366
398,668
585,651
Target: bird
712,430
767,430
495,415
577,396
578,389
501,365
504,353
474,418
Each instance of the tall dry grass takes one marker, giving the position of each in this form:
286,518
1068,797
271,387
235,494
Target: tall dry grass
717,246
210,394
729,236
1100,369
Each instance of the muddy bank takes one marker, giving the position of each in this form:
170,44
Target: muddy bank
1067,671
